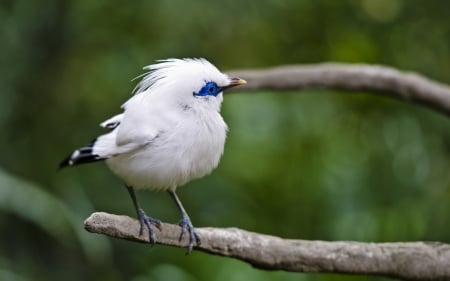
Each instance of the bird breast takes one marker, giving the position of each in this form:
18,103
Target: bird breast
189,150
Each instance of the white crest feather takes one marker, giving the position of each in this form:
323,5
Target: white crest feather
168,67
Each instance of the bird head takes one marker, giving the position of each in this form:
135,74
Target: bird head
188,82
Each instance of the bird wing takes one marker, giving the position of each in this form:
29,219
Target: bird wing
102,147
125,136
143,120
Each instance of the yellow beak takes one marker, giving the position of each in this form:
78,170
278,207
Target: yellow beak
234,81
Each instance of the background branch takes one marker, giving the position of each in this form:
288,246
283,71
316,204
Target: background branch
350,77
409,261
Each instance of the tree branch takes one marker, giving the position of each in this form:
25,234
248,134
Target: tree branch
350,77
409,261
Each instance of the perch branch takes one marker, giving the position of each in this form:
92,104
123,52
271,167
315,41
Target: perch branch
409,261
349,77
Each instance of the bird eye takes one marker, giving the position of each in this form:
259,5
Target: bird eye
209,89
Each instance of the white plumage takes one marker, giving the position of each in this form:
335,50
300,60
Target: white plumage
166,136
170,132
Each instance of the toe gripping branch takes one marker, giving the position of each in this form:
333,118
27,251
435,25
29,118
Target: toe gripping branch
186,226
148,222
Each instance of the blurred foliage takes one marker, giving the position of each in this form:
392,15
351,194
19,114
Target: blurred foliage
316,165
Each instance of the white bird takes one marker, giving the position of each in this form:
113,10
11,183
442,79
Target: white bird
170,132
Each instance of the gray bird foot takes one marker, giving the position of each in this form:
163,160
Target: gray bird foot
186,226
148,222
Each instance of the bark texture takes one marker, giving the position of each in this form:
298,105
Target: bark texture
408,261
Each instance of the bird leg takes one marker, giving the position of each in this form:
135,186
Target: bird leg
143,218
186,224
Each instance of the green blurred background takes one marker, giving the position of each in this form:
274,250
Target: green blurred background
309,165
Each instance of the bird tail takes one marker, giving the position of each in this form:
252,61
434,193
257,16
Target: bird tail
82,155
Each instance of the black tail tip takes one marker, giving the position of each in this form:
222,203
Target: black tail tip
66,162
80,156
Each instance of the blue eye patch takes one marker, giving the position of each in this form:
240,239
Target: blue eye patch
210,89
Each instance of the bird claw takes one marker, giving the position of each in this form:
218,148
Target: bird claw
148,221
186,226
